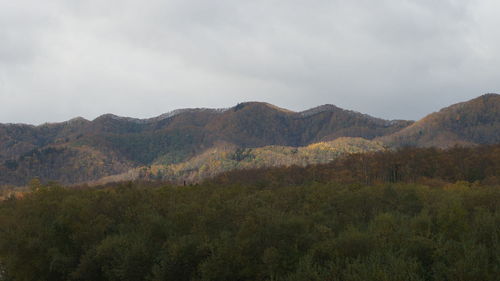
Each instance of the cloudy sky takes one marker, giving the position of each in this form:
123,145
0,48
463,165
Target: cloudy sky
388,58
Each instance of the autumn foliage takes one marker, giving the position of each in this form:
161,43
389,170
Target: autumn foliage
409,165
413,214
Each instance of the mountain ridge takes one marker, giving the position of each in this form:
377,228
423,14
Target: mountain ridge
307,112
116,144
464,123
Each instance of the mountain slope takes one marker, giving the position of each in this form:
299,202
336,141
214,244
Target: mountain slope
473,122
169,138
80,150
63,164
226,157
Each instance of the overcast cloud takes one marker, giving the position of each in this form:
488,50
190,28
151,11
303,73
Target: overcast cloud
389,58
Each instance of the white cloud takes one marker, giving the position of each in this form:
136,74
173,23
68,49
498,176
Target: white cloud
390,58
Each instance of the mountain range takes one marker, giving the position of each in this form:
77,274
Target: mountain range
191,144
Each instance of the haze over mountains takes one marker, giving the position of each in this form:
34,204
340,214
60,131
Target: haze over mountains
193,143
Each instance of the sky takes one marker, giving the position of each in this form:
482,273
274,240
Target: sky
395,59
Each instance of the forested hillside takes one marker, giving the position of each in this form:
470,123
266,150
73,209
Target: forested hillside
227,157
474,122
118,144
173,146
409,165
433,216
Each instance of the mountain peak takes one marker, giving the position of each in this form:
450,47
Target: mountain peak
186,110
490,96
77,119
319,109
256,104
482,102
107,116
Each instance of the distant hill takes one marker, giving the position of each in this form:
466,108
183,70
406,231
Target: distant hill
80,150
226,157
473,122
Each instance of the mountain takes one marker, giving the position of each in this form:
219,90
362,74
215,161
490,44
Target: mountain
258,124
81,150
468,123
181,143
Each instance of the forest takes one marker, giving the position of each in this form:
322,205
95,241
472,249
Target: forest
411,214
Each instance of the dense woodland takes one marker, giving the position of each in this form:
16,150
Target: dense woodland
432,166
413,214
225,158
